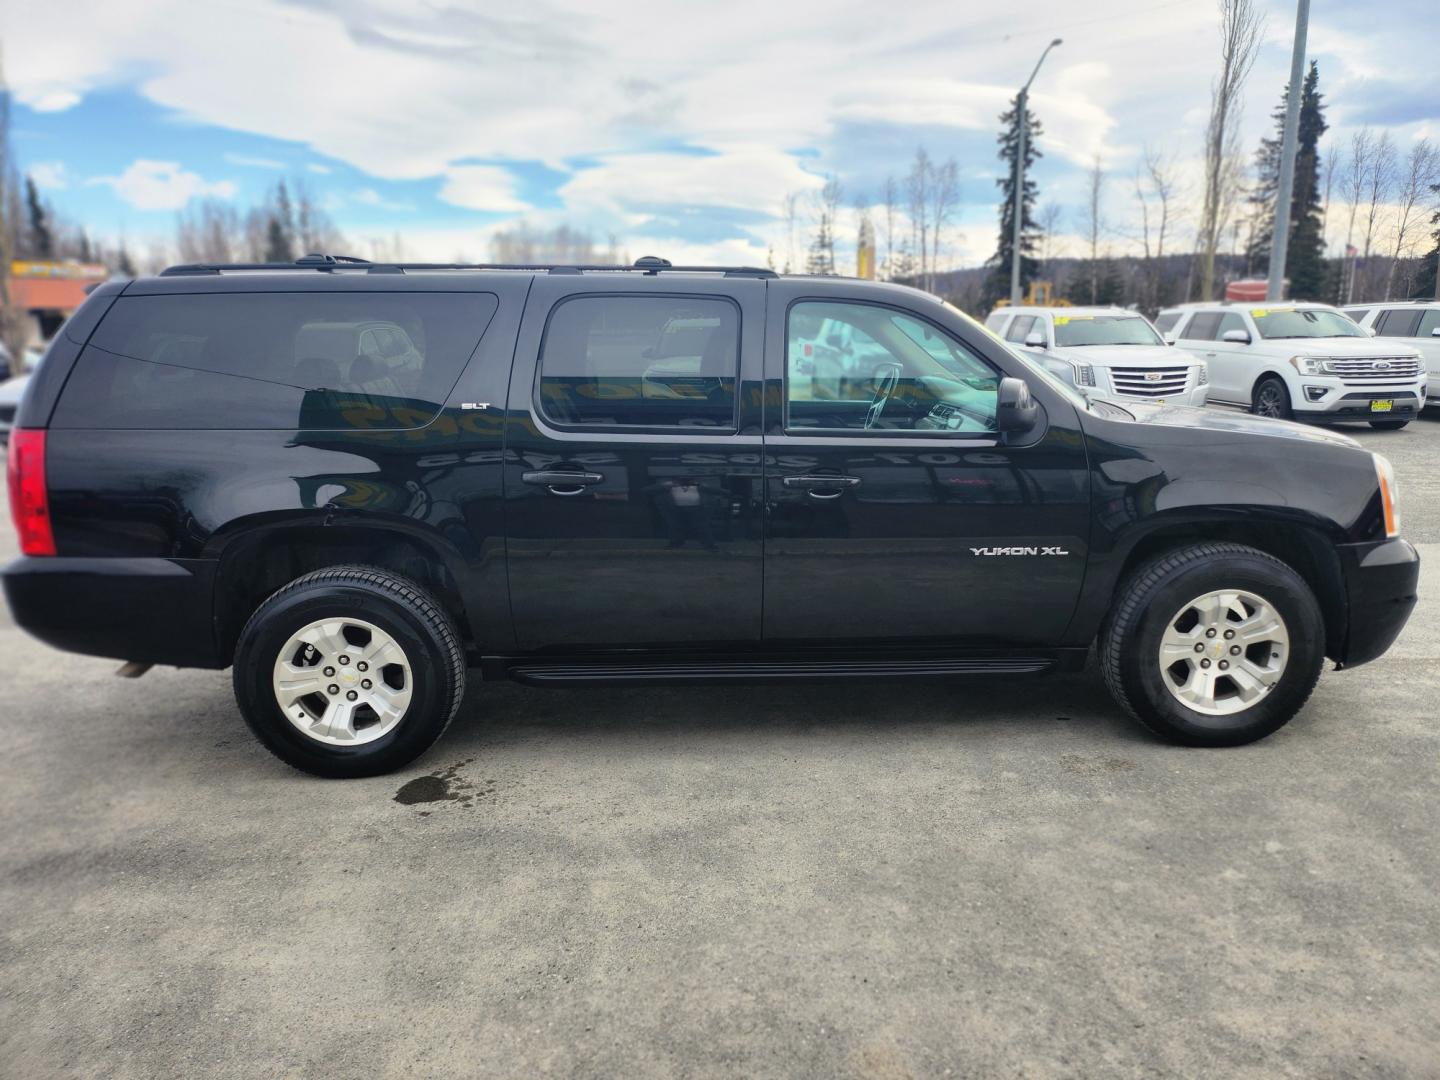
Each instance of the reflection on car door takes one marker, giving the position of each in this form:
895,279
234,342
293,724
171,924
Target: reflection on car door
910,523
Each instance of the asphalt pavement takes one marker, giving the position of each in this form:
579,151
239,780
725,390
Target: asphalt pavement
890,880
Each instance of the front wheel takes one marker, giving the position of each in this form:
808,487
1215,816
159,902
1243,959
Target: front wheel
1272,399
348,672
1388,425
1213,645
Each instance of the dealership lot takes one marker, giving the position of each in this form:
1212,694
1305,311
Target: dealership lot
887,880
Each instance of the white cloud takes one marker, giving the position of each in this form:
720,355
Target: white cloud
320,170
254,162
49,175
482,187
748,178
52,100
162,185
371,197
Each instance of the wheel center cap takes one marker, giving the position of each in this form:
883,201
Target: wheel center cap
348,678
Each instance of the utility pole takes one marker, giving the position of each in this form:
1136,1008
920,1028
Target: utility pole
1018,211
1280,233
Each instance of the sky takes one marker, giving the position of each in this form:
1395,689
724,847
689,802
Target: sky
678,127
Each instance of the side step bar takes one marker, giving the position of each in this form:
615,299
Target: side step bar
653,673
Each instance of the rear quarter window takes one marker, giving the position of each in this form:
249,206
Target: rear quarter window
282,361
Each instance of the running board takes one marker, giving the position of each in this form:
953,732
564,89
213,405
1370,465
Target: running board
722,671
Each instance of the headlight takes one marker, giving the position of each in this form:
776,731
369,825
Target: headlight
1202,374
1389,494
1084,375
1311,365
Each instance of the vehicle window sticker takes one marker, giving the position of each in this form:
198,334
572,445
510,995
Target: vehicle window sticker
1258,313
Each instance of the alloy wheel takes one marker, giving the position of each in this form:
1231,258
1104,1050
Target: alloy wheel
1223,652
343,682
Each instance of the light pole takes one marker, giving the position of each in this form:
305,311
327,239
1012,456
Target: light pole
1280,231
1017,213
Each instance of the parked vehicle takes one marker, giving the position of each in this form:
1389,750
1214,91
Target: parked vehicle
1414,324
12,389
1105,352
513,502
1300,361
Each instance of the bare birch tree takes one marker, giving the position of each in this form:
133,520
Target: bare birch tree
1422,167
1352,189
1379,181
917,187
890,199
1093,222
1241,28
944,195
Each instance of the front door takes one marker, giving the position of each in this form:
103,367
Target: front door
894,513
633,463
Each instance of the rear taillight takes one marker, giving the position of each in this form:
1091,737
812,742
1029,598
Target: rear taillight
29,501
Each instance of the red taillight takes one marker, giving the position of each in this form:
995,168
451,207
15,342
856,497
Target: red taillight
29,501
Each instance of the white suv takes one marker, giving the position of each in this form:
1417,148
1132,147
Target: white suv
1104,352
1300,361
1415,324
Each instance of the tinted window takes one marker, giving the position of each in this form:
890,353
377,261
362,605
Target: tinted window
1429,323
885,370
1166,322
283,361
1398,322
641,361
1020,328
1203,326
1357,313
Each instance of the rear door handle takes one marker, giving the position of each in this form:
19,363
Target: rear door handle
822,487
563,482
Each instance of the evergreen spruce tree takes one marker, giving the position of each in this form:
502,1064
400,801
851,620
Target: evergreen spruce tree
1305,255
42,238
821,259
1425,284
997,282
280,228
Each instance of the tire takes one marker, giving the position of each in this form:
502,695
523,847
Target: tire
1272,399
1144,616
373,610
1388,425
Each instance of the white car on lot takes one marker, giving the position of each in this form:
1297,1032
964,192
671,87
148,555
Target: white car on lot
1300,361
1105,352
1415,324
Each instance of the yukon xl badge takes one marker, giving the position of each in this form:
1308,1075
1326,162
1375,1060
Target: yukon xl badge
985,551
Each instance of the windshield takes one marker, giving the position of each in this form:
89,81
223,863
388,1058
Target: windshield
1304,323
1073,331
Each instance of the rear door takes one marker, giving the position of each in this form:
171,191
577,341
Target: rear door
894,515
632,477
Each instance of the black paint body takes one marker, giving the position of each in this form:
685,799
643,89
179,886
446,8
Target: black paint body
167,539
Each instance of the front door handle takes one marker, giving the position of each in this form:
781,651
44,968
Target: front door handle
563,482
822,487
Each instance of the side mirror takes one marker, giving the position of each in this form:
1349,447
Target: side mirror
1236,337
1169,339
1374,331
1035,340
1435,332
1015,410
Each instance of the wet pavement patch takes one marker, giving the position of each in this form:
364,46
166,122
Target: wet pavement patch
444,785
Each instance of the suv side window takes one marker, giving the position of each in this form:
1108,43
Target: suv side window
1020,329
1166,322
641,362
1230,321
1429,323
1398,322
277,361
1203,326
1357,313
898,373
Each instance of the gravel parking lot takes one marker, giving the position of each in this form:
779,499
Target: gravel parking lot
890,881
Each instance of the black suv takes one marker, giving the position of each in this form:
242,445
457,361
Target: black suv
355,481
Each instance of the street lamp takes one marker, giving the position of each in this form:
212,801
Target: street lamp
1017,214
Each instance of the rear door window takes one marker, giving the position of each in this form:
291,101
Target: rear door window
1203,326
641,362
283,361
1020,328
1429,323
1166,322
1399,322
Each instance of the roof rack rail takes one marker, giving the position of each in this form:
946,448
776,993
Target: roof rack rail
325,264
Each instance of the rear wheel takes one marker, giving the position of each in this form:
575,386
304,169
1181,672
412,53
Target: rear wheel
1272,399
1388,425
350,671
1213,645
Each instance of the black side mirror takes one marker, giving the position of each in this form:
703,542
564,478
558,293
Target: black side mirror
1015,410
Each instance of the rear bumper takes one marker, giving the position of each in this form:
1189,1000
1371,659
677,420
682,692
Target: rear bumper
1380,590
156,611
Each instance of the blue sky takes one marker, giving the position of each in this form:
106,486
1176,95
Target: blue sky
678,127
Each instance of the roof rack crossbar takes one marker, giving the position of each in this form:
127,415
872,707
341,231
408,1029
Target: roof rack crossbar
329,263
